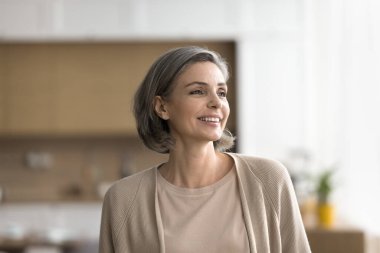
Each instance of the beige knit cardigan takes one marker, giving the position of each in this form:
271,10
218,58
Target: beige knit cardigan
131,220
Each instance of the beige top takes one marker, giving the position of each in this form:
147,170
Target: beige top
131,222
207,219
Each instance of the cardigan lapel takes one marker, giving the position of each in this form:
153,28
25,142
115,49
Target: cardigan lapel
244,201
158,217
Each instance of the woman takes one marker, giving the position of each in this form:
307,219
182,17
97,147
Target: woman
202,199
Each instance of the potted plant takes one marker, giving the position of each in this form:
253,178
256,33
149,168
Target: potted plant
326,210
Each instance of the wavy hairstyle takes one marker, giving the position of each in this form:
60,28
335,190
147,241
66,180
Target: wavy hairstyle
159,81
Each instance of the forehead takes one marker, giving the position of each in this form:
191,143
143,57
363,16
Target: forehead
201,70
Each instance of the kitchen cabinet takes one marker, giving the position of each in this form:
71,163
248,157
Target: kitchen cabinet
83,20
336,240
29,101
95,89
80,88
68,89
2,90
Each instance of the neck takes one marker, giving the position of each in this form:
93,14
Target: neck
194,167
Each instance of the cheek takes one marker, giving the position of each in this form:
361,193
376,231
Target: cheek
181,110
226,109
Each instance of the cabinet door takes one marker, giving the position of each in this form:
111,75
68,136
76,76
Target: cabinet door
96,86
2,91
29,90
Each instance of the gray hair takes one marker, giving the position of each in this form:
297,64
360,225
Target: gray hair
153,130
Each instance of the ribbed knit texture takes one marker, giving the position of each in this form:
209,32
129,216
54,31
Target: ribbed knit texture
272,218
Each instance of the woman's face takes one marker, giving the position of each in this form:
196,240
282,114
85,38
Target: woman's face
197,109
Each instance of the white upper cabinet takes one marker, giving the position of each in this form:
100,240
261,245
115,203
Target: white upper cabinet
22,18
117,19
144,19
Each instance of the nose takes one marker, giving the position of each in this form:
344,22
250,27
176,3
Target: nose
214,102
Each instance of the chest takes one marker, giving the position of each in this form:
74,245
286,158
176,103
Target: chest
208,219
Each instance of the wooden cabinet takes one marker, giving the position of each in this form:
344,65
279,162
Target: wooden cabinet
336,240
95,89
29,102
2,90
68,89
79,88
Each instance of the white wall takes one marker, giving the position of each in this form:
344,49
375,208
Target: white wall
342,65
316,86
308,72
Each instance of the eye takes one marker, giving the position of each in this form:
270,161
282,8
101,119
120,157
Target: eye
222,93
197,92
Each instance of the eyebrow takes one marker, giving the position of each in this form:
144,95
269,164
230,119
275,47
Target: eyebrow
203,83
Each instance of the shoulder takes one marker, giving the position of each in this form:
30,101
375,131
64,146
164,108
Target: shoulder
132,181
124,192
128,186
263,169
268,176
121,201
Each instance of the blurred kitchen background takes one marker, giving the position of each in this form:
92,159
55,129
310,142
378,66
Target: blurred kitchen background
304,89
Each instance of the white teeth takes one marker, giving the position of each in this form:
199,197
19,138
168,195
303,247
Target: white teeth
210,119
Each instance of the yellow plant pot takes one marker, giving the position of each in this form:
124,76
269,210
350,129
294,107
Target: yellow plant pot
326,215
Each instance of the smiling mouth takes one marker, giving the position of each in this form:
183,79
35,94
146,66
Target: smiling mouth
210,119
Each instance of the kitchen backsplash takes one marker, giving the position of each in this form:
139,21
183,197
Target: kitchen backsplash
68,169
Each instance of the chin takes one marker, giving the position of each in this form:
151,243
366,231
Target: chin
212,137
216,138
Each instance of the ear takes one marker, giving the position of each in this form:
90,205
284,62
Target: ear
160,108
